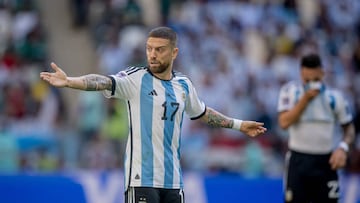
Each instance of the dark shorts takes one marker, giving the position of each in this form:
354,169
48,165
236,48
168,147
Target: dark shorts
309,178
153,195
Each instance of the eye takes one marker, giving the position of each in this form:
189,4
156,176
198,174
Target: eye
316,79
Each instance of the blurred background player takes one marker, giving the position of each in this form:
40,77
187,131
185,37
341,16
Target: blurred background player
310,111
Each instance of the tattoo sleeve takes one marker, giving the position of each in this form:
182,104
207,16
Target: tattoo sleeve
216,119
94,82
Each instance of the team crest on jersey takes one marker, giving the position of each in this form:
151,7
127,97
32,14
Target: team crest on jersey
183,96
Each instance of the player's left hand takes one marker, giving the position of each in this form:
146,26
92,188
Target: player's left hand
252,128
338,159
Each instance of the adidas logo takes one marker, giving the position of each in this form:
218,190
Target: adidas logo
152,93
137,177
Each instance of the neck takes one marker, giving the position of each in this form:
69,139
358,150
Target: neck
167,75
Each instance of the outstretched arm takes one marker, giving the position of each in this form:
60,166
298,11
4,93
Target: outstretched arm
91,82
216,119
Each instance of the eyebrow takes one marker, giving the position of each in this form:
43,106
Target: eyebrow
156,47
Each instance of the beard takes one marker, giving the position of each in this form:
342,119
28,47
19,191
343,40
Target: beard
159,67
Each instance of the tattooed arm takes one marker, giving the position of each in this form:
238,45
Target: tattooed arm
92,82
216,119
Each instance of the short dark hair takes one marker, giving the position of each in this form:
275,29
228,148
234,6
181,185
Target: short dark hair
311,61
164,33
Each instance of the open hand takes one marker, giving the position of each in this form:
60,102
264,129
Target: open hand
57,78
252,128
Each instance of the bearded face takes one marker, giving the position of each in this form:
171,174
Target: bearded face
160,55
158,66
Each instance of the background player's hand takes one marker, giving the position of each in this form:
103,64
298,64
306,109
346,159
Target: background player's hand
338,159
57,78
311,93
252,128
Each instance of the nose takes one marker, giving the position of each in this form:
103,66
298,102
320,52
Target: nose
152,54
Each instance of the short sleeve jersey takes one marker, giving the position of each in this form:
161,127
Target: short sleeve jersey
314,132
155,108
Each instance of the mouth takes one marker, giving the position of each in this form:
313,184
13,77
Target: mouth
154,63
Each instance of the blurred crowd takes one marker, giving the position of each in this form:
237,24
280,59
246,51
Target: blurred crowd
238,53
28,107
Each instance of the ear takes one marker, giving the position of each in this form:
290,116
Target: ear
302,75
322,73
175,53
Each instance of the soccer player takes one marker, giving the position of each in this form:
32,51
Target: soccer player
310,111
157,97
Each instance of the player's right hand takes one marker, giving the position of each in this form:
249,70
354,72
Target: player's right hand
312,93
57,78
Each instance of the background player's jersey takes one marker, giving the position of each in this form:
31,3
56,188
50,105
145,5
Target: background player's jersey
156,108
314,132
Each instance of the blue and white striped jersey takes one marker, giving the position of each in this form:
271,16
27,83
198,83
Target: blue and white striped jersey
314,132
155,108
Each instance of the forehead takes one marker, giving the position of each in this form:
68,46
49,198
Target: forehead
308,72
157,42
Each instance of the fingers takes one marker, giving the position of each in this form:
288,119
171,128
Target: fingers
335,165
313,93
44,75
332,162
253,128
47,75
54,66
258,131
263,130
260,127
337,161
